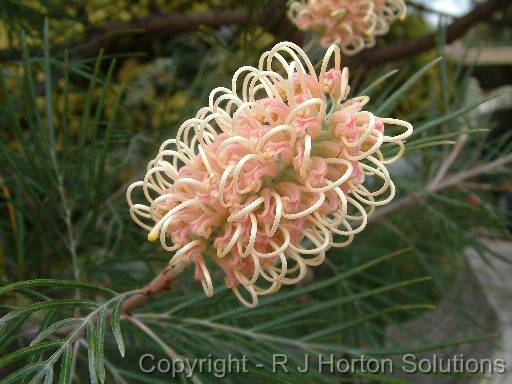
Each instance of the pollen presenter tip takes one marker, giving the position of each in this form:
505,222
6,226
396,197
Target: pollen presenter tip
153,235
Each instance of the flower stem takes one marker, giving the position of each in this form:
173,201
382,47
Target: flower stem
160,283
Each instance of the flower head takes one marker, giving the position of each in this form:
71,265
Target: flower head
270,175
351,23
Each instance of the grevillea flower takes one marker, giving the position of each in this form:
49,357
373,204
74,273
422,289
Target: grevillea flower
270,175
353,24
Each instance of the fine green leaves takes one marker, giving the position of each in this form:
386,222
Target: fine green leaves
116,326
51,283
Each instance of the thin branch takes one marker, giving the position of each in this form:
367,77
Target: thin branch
448,182
112,37
160,283
470,173
157,28
402,49
486,186
447,163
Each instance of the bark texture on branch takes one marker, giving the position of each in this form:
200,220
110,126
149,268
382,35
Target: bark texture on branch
144,34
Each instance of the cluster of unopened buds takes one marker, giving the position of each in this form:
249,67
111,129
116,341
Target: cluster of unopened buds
353,24
270,175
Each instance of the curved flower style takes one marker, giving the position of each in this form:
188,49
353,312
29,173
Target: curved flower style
270,175
351,23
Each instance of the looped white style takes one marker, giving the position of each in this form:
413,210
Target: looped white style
274,172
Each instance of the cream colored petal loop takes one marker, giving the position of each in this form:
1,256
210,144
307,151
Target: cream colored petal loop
232,140
252,238
333,184
207,281
267,136
153,234
137,210
333,49
246,210
130,189
278,214
408,129
363,218
231,243
205,161
163,237
292,49
174,154
149,183
369,127
307,154
183,251
222,186
274,287
303,106
163,198
302,267
348,241
254,297
188,181
360,191
364,154
320,247
236,174
278,276
307,211
282,248
398,155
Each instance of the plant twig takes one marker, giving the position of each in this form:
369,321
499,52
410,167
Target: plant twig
447,163
157,28
160,283
403,49
470,173
448,182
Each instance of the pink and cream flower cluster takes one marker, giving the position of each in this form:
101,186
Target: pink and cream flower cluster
269,176
353,24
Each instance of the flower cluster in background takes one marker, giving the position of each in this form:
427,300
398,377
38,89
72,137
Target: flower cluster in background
353,24
270,175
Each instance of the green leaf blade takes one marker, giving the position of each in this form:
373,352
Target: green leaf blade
116,326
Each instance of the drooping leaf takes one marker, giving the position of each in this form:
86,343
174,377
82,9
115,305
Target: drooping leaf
65,367
53,328
51,283
26,351
115,322
91,353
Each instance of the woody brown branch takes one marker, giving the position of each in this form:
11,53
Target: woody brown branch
162,282
143,34
455,30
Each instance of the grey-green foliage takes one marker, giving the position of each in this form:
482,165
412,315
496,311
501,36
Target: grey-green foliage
70,222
